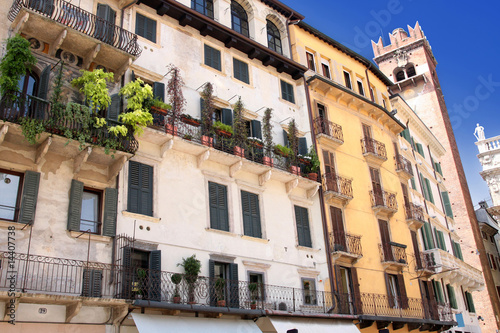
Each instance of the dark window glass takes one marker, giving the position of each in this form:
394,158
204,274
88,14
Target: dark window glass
410,71
326,70
310,61
287,92
240,69
145,27
239,18
347,80
400,76
212,57
206,7
273,37
360,88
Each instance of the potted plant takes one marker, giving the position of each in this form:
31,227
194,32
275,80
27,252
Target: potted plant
159,106
207,113
294,146
267,128
313,167
140,283
253,294
192,268
282,150
239,129
220,285
222,129
174,91
188,119
187,137
176,279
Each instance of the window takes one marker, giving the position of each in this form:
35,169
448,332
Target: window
303,230
219,217
257,292
438,291
309,288
89,212
469,303
241,71
251,214
410,71
144,277
273,37
310,61
420,149
326,70
145,27
361,90
18,196
400,76
427,236
493,263
224,283
447,204
239,18
206,7
347,80
105,28
396,291
383,103
212,57
140,188
287,92
451,296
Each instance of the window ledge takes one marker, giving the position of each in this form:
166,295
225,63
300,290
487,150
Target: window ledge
255,239
223,232
6,224
288,102
93,237
141,217
310,249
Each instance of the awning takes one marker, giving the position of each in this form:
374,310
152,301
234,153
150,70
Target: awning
306,325
164,324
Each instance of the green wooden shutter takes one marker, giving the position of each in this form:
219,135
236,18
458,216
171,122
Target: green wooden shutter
227,116
447,204
303,146
470,302
29,197
208,55
140,189
303,231
443,243
140,26
218,206
420,149
247,216
43,85
438,291
413,185
459,251
75,205
211,280
256,129
159,91
154,290
127,273
451,296
92,283
115,107
429,190
234,297
110,212
251,214
151,30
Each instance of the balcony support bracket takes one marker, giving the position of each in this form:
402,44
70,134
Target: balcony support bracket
72,310
81,159
17,25
3,132
56,44
91,56
312,192
115,168
235,168
119,312
265,177
291,185
166,147
42,150
203,157
397,325
122,69
414,326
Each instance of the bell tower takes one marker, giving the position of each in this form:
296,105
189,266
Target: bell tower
410,63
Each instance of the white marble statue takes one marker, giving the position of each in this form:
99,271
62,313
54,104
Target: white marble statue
479,132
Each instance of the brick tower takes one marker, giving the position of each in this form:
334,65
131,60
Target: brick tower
411,65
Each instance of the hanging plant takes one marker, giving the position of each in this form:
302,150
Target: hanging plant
267,129
93,85
174,91
207,110
239,127
17,60
293,140
32,129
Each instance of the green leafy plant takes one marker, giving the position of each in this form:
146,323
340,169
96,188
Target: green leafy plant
220,285
207,110
32,129
267,129
223,127
253,291
239,127
176,279
157,103
187,137
93,85
293,140
282,150
17,60
313,166
192,268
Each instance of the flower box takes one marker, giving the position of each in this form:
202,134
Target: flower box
159,110
190,121
223,133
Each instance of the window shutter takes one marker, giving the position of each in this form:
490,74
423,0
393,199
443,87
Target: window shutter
390,296
127,273
227,116
438,291
256,129
140,28
402,291
43,86
29,197
429,190
420,149
413,185
303,231
303,146
211,281
285,138
114,108
443,243
234,297
110,212
154,289
247,216
208,55
459,252
87,282
133,187
92,283
75,205
358,309
255,212
159,91
140,191
451,296
251,214
151,30
447,204
470,301
218,206
132,76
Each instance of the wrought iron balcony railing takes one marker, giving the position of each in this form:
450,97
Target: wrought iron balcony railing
373,147
403,165
337,184
15,107
251,150
384,199
393,253
81,20
414,212
323,126
425,262
343,242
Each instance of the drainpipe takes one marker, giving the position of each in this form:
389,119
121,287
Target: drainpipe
288,22
320,192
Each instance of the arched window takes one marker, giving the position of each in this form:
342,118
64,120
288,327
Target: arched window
400,76
273,37
28,84
410,71
206,7
239,18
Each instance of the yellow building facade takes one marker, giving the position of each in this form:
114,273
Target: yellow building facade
364,177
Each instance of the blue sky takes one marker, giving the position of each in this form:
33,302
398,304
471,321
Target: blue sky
465,41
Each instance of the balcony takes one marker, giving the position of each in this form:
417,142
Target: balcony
345,248
414,216
449,267
65,26
425,264
374,151
104,284
328,133
185,136
384,202
337,188
404,168
393,255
